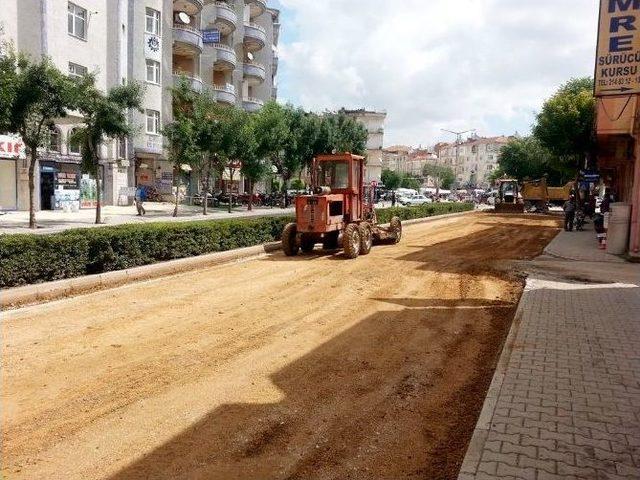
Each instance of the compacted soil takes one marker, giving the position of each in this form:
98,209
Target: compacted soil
314,367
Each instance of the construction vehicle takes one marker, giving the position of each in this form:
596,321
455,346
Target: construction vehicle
537,195
508,200
340,212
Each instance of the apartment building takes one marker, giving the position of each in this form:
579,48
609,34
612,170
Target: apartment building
374,123
227,49
407,160
473,160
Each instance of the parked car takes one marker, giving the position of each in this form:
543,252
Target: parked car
416,200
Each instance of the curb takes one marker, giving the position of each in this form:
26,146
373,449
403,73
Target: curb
472,458
46,292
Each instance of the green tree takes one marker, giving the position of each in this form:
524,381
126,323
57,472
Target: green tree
409,181
36,94
565,126
240,146
272,129
104,117
443,176
526,158
391,180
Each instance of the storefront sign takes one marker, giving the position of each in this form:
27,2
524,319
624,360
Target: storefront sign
11,146
210,36
618,55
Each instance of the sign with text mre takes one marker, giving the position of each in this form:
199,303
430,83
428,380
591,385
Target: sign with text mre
618,56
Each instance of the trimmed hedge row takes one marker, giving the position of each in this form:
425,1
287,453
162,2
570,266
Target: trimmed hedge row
27,259
422,211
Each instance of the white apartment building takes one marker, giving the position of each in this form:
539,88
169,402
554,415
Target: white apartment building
374,123
228,49
473,160
407,160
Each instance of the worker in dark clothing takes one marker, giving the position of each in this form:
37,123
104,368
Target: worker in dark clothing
393,198
569,208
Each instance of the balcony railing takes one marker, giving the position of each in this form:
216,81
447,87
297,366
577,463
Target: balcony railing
256,7
225,55
252,104
224,93
226,14
189,35
196,81
255,36
255,70
194,6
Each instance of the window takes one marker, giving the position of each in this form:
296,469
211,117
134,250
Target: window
153,72
153,21
54,139
76,70
74,145
334,174
153,122
77,21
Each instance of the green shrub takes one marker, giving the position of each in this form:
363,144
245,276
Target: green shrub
27,259
422,211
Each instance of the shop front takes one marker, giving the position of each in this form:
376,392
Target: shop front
156,177
12,152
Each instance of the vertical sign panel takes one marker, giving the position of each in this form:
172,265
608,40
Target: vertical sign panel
618,57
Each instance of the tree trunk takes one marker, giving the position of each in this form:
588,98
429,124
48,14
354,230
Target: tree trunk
98,198
32,188
229,190
177,183
250,195
205,201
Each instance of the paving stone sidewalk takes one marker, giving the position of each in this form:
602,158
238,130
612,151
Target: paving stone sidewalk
565,400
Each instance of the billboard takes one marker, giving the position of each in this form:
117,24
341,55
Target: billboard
211,35
618,56
11,146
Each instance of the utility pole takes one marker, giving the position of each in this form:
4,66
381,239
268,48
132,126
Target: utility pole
458,142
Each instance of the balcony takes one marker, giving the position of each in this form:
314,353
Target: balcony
225,57
187,40
255,73
226,19
190,7
255,37
251,104
224,93
256,7
194,80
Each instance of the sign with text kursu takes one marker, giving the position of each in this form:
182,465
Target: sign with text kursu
618,56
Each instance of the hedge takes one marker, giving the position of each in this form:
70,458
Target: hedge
27,259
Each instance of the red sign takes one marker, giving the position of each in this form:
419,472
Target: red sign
11,147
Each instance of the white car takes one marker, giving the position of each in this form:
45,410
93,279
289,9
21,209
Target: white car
416,200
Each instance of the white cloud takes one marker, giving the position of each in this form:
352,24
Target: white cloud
433,64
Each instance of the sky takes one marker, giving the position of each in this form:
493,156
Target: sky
434,64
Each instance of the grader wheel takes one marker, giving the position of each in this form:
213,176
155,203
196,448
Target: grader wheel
366,238
351,241
289,240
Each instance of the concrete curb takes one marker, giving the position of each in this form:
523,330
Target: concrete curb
46,292
473,456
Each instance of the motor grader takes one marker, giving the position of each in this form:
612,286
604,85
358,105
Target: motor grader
340,212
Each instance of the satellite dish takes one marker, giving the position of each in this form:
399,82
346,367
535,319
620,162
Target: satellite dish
184,18
250,56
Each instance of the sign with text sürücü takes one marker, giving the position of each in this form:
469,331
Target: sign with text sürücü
618,56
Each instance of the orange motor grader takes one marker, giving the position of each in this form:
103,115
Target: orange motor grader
340,211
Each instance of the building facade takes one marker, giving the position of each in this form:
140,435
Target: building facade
374,123
407,160
474,160
227,49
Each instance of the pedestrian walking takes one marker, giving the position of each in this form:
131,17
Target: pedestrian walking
393,198
569,208
139,199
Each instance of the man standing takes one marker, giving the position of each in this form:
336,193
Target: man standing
569,208
139,198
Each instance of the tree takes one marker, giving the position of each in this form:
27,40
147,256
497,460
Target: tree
272,129
565,126
526,158
442,176
254,168
104,117
411,182
240,146
36,93
391,179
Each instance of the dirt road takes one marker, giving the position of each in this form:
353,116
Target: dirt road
308,368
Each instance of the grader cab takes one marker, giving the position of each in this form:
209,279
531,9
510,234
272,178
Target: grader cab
340,212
